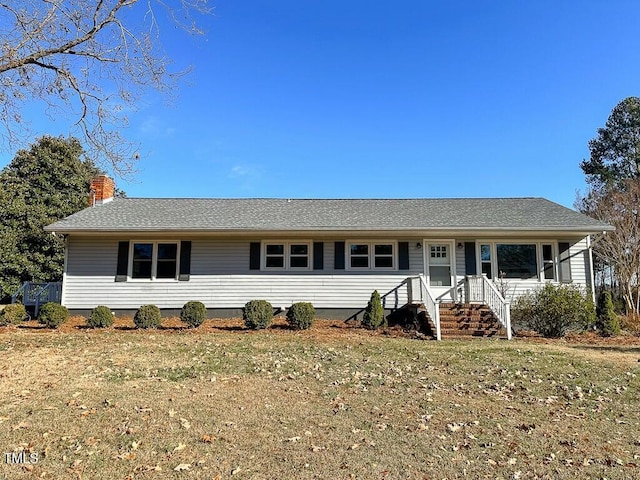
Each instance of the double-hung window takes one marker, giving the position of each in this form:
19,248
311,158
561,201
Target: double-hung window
153,260
372,255
280,255
485,260
548,264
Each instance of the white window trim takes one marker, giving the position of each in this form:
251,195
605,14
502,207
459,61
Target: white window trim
539,258
154,261
287,255
372,255
554,259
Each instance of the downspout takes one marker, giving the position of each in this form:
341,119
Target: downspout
64,268
592,278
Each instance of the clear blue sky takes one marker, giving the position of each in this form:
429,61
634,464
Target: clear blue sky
309,98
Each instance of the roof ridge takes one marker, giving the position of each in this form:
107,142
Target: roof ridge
336,198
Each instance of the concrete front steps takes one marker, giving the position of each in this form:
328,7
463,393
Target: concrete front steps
469,320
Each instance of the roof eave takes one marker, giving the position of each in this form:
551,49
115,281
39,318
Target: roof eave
419,231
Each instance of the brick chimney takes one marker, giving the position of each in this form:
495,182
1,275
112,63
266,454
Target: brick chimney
102,190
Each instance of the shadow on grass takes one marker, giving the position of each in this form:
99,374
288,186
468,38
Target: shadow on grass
608,348
281,327
125,328
230,328
172,328
33,327
348,326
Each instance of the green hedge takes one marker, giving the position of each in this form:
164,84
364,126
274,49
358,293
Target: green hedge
193,313
13,314
300,315
554,310
100,317
257,314
148,316
53,315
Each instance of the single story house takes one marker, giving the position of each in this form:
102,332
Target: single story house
125,252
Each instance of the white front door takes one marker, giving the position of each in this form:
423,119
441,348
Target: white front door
440,270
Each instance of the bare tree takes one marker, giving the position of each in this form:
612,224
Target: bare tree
620,206
89,59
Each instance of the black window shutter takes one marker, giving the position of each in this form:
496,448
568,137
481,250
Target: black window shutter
254,256
318,255
403,255
123,262
339,256
185,261
470,267
564,269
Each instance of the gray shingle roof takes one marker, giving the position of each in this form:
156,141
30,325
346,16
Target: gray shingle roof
281,215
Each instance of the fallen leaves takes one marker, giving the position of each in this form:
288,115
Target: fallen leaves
180,446
359,401
148,468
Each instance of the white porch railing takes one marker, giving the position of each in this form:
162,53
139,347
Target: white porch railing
418,292
478,288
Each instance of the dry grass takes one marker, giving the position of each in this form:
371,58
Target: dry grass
332,402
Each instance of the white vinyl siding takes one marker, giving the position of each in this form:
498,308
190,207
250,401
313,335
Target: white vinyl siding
221,278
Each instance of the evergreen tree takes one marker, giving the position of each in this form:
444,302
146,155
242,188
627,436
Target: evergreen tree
607,322
615,152
374,313
41,185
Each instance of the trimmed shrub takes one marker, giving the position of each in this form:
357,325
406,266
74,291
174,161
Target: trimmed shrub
100,317
554,310
147,316
257,314
193,313
300,315
608,322
374,313
53,315
13,314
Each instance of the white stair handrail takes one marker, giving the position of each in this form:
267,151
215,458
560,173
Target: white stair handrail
432,306
492,297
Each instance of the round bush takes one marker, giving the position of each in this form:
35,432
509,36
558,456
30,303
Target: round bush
100,317
13,314
53,315
193,313
554,310
257,314
300,315
147,316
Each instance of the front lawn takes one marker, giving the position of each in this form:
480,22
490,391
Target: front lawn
332,402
